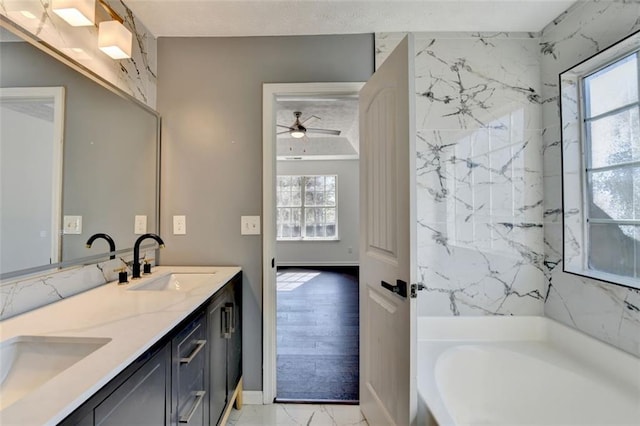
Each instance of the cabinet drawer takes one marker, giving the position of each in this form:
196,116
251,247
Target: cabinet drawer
190,396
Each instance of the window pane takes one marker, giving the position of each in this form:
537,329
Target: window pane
615,194
614,249
615,139
612,87
319,199
330,182
310,183
309,216
330,216
331,231
296,198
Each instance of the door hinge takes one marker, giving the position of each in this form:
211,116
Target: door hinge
415,288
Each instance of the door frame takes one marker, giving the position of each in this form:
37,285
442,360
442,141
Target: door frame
269,94
55,94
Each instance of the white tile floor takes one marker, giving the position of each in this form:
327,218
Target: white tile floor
297,414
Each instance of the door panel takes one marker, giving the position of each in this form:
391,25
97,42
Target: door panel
387,241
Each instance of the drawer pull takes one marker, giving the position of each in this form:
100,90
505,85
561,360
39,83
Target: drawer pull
200,345
196,403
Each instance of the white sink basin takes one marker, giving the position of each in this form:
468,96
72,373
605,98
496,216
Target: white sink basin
27,362
172,282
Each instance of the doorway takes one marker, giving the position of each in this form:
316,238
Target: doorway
318,335
316,229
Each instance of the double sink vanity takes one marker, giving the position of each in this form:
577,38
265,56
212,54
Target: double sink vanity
164,350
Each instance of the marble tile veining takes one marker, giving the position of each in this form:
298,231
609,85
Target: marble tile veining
480,204
297,415
608,312
24,294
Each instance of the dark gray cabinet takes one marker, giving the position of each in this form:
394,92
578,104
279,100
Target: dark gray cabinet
141,399
189,391
218,319
187,378
225,334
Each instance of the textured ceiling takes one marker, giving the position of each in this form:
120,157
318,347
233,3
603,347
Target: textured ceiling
305,17
334,113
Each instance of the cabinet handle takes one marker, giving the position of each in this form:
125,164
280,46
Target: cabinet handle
232,317
226,334
199,345
196,403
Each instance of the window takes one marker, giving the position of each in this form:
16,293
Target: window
601,166
307,207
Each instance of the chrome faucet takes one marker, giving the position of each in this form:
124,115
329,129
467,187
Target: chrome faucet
136,252
107,238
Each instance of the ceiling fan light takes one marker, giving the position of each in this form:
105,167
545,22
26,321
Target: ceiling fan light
77,13
297,134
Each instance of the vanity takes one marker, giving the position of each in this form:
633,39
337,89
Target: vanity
162,350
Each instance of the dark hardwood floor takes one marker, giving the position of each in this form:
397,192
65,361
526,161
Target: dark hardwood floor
317,329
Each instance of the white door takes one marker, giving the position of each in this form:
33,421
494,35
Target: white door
387,242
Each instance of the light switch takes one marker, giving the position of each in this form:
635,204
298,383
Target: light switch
72,225
250,225
179,225
140,226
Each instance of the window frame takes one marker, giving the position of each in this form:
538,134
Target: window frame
303,207
576,161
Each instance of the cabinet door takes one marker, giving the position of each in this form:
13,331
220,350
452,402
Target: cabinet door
141,399
218,321
234,349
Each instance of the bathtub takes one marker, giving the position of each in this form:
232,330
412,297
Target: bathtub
521,371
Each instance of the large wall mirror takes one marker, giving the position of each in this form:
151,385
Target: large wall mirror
77,157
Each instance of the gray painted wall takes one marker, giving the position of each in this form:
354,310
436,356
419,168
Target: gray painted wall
210,97
345,250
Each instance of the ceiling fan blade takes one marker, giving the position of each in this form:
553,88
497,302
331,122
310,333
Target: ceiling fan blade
282,133
310,118
324,131
286,127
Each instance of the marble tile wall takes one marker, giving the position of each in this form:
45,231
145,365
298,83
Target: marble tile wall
24,294
135,76
608,312
479,172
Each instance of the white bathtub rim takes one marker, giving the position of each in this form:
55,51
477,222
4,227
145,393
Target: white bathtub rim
437,334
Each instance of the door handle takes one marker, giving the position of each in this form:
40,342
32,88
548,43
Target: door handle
400,288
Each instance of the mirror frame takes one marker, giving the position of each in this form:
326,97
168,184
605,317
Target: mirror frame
45,47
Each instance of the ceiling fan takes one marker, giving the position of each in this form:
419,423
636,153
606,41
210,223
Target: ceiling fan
298,130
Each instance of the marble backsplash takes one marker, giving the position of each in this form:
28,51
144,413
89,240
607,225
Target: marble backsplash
608,312
24,294
135,76
479,172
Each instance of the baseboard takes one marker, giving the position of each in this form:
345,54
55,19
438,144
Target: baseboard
252,397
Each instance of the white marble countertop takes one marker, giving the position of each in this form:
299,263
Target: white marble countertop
133,320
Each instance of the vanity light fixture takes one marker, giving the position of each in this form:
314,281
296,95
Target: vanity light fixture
77,13
114,39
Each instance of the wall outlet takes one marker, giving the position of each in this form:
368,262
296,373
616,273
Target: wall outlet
140,226
250,225
179,225
72,225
